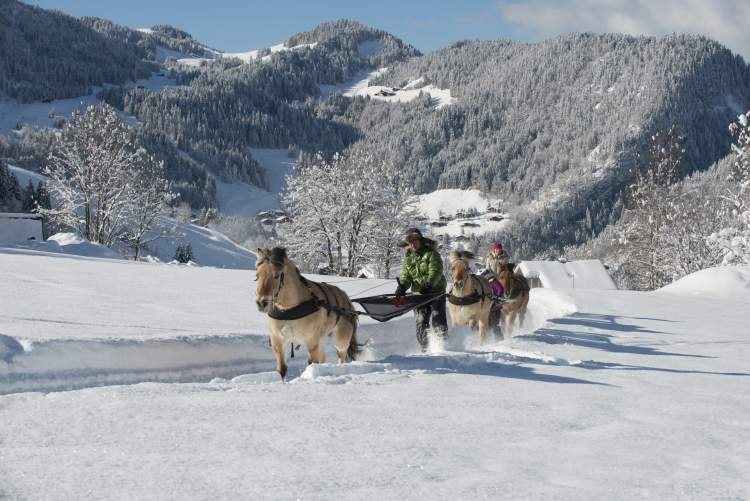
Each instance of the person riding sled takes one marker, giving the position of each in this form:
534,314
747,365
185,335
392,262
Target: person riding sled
423,272
496,258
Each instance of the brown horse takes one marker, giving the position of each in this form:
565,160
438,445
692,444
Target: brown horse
302,311
470,299
517,292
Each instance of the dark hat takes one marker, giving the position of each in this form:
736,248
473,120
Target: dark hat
412,235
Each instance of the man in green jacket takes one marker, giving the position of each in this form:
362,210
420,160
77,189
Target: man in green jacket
423,272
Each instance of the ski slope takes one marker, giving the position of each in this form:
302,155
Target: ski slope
606,395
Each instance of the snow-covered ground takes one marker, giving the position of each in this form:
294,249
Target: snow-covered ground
210,247
450,201
242,199
359,85
607,394
39,114
245,57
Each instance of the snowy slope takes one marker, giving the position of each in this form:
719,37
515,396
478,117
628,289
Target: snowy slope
242,199
448,202
39,114
210,247
727,283
24,176
614,395
359,85
245,57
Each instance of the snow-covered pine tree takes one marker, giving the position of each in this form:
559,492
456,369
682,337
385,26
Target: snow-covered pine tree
29,198
734,239
10,191
184,253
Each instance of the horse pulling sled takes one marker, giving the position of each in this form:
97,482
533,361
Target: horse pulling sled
301,310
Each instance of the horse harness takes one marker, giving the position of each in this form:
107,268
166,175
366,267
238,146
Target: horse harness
473,298
516,291
310,306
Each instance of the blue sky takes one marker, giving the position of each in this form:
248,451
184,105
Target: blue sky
237,25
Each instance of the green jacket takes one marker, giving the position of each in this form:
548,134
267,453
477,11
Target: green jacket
421,268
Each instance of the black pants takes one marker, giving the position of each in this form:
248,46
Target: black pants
495,318
432,313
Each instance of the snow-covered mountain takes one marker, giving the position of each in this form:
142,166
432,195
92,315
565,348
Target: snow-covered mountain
612,394
552,128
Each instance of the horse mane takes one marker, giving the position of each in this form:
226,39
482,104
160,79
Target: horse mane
277,255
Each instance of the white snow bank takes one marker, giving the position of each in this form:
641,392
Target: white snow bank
727,282
584,274
67,243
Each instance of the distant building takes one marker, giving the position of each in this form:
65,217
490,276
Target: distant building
17,227
586,274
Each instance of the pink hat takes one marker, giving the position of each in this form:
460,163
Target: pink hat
497,246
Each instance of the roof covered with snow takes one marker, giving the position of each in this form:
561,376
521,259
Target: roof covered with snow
586,274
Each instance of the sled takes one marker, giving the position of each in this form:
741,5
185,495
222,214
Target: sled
383,308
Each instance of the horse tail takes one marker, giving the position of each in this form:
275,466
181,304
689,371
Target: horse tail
354,347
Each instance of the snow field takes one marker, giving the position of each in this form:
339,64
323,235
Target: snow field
156,322
605,394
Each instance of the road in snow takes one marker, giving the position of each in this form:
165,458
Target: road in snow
615,395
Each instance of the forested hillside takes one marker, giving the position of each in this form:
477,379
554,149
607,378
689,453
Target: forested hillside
556,129
46,55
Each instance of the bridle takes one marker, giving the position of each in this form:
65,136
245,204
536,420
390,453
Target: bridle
279,277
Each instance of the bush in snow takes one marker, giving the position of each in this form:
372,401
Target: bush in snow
184,253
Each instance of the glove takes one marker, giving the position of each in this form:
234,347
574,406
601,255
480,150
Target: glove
398,301
400,290
426,289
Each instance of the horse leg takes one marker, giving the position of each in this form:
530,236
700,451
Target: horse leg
315,353
512,321
342,336
482,329
277,344
522,312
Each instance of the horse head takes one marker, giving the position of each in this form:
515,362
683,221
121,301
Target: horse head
269,273
460,268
